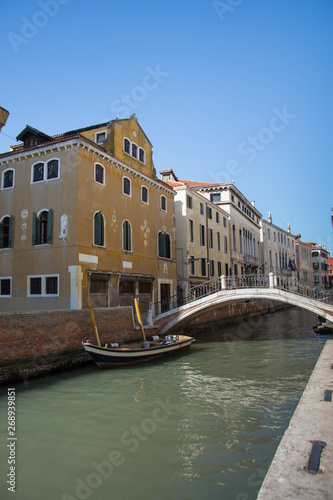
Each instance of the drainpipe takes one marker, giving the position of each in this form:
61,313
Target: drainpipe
207,244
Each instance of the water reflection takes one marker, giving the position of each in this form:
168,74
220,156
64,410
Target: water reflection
200,425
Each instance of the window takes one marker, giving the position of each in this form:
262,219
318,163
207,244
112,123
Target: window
211,239
52,169
269,233
127,146
215,197
5,287
226,244
218,242
6,225
234,243
217,215
203,267
126,186
38,172
7,179
202,209
99,229
163,203
142,155
100,137
144,194
192,265
212,268
42,228
191,230
47,285
127,236
202,235
164,247
189,202
210,213
219,268
99,173
224,222
45,171
134,150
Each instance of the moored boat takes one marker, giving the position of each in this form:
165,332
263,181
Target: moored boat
127,354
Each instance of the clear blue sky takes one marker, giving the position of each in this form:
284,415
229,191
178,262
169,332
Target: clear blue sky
232,90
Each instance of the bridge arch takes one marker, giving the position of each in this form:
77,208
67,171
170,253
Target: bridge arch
177,318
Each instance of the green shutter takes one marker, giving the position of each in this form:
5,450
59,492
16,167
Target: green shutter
10,232
34,228
49,226
98,232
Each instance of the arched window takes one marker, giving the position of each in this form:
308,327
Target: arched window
127,236
42,228
99,173
163,203
144,194
134,150
142,155
38,172
164,246
7,179
126,186
99,229
53,169
6,232
127,146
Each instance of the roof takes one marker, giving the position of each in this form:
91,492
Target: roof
195,184
30,130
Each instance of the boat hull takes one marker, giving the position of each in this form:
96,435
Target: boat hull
109,357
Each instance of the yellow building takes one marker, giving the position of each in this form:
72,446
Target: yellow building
83,215
202,236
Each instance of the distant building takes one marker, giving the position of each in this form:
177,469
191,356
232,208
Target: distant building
278,251
244,224
320,257
330,272
83,215
202,235
304,261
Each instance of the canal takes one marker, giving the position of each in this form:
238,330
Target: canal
200,425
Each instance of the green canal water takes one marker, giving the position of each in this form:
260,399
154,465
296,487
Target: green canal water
205,424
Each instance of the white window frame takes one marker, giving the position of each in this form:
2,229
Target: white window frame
3,178
98,133
130,146
10,279
44,171
144,155
130,193
43,291
137,150
166,205
97,182
145,202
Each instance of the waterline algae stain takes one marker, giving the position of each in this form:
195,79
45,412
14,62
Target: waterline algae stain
202,425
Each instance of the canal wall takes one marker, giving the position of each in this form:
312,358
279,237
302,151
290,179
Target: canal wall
303,464
39,342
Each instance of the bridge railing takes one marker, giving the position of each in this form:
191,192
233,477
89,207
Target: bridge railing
299,288
207,288
234,282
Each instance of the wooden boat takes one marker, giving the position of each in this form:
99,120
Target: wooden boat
112,355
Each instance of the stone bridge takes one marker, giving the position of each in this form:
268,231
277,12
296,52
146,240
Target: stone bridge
223,291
